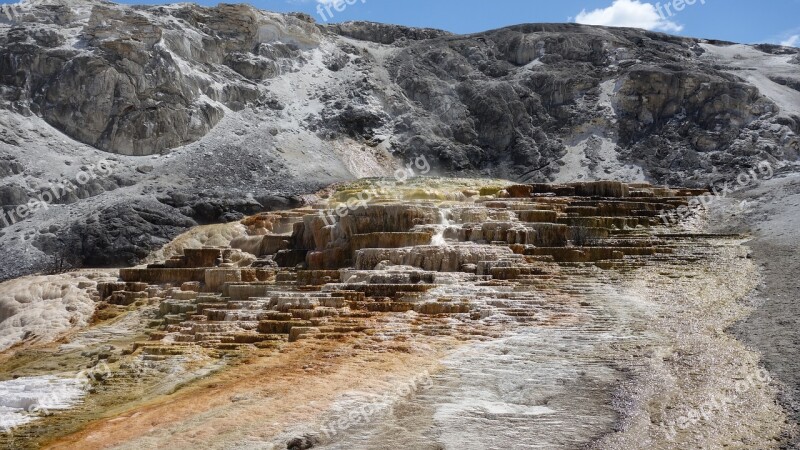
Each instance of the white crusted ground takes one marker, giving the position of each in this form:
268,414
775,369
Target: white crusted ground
43,308
24,399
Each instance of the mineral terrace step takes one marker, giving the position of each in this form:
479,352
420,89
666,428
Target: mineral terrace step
527,255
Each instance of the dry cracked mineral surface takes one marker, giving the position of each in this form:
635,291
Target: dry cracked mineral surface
226,228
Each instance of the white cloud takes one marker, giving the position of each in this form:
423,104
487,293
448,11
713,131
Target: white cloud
629,13
791,41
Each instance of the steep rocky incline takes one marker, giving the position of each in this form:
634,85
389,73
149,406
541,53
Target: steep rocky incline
208,114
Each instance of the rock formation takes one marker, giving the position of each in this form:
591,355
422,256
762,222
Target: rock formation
550,310
379,257
120,81
239,110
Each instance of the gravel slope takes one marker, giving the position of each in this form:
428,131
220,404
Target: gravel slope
771,215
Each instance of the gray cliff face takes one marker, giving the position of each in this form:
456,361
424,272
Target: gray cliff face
211,113
124,80
516,97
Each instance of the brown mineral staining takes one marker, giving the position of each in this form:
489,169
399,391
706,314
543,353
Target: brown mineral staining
488,242
294,319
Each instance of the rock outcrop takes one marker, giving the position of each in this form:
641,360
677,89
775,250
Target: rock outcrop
136,82
521,97
238,110
146,80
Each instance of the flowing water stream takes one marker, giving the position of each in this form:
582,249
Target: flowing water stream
444,222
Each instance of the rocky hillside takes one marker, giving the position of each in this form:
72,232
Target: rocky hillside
122,126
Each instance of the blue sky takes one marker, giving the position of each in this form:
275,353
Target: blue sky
747,21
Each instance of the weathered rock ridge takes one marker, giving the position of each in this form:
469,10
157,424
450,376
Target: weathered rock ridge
143,80
135,82
238,110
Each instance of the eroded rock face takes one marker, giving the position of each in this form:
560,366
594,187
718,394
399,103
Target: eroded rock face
383,33
516,97
138,82
514,101
266,105
119,235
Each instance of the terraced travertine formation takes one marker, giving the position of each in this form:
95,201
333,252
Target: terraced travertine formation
321,276
563,315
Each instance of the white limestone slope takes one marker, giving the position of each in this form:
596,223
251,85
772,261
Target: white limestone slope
757,68
42,308
23,400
